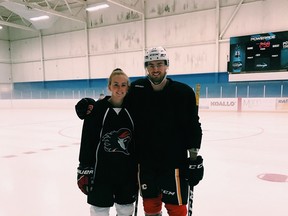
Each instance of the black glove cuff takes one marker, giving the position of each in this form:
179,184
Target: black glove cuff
82,106
194,171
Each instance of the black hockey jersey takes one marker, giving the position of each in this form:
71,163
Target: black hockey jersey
166,122
107,143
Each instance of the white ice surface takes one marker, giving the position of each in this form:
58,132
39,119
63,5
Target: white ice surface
39,156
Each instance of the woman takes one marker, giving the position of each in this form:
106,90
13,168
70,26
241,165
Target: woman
107,170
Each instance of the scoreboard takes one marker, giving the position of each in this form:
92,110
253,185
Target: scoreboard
259,52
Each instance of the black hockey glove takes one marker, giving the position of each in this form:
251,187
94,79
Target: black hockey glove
84,107
85,179
195,170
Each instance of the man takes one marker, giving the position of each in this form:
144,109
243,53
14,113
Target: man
166,128
101,96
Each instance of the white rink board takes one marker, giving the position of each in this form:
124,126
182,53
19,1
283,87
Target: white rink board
244,104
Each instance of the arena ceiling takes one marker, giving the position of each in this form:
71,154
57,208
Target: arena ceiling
18,13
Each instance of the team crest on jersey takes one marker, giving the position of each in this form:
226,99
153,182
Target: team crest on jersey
117,141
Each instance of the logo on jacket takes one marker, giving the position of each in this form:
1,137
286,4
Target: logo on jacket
117,141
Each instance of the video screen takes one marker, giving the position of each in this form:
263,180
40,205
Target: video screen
259,52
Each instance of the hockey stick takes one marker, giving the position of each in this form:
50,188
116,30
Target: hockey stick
190,204
191,188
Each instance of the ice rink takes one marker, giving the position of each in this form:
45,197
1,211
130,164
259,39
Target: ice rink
245,158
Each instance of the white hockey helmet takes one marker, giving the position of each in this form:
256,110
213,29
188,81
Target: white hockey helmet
154,54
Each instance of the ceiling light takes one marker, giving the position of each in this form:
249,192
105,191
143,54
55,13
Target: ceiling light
39,18
1,27
96,7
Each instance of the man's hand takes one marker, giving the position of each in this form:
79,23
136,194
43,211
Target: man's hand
84,107
194,171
